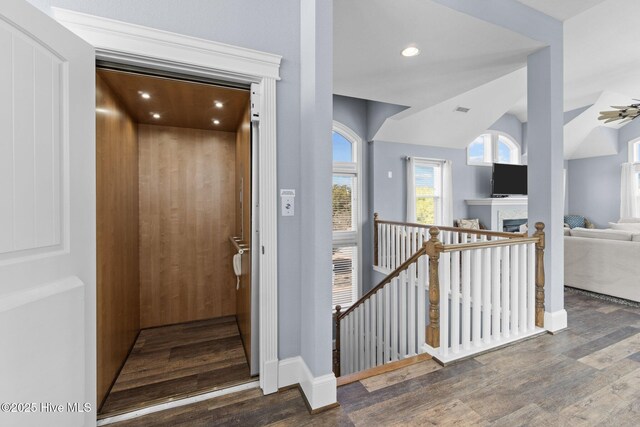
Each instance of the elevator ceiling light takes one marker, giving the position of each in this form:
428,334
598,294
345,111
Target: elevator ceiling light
218,104
215,121
144,95
155,115
410,51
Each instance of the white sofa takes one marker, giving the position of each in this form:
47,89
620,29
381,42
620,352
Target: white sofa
603,261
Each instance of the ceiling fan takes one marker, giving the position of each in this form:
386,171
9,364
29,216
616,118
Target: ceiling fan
624,113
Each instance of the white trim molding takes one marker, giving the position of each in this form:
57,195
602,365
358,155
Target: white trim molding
135,45
555,321
319,391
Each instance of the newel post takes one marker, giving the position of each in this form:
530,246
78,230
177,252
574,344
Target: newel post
540,274
336,354
375,239
433,248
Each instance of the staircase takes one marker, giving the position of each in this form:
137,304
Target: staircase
449,292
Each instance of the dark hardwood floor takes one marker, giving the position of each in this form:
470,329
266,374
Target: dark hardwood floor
587,375
176,361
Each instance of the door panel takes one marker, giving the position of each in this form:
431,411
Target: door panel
47,215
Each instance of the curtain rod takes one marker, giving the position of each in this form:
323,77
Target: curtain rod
424,158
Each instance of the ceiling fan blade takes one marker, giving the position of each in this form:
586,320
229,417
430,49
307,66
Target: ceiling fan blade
613,119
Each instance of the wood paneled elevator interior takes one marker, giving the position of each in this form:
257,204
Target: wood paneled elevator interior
173,177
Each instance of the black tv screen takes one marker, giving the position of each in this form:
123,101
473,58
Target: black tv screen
509,179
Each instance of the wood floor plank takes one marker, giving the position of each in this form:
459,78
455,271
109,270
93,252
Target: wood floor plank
538,382
180,360
609,355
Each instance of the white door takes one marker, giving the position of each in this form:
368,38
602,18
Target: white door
47,221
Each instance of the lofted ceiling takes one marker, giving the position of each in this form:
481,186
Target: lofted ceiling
179,103
458,52
561,9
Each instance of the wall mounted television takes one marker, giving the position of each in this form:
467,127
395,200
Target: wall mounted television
508,180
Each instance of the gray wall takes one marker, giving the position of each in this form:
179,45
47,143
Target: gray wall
594,183
272,26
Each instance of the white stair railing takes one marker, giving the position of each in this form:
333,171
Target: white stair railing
388,323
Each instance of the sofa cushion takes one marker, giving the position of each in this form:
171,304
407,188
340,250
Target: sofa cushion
627,226
602,234
628,220
635,238
574,221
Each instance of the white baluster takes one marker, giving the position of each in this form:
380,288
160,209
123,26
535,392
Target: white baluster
382,251
515,289
402,284
466,299
445,289
379,329
531,286
455,301
495,293
361,324
522,282
347,345
389,245
394,319
373,332
412,320
367,333
476,287
399,232
343,346
387,323
486,295
506,274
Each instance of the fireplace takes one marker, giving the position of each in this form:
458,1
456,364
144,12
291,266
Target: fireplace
513,225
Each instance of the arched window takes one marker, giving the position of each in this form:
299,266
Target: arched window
493,147
346,215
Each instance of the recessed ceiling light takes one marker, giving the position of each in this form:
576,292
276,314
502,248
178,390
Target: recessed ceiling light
155,115
215,121
410,51
144,95
218,104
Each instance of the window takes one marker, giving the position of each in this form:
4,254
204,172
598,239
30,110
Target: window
345,216
493,147
629,207
634,151
428,192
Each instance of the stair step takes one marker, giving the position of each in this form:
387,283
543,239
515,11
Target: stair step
382,369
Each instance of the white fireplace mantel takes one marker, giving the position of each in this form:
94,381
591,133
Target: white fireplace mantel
493,211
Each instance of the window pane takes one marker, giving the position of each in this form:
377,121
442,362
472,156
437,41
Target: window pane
506,151
342,149
344,278
476,150
343,202
426,210
636,152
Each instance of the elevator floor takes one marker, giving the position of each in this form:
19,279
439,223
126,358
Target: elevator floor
178,361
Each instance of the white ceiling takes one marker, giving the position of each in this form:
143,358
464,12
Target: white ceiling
601,53
561,9
458,52
440,125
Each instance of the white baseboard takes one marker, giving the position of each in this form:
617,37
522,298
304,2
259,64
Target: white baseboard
319,391
556,321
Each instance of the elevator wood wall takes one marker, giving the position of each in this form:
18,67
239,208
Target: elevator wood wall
186,185
243,228
118,291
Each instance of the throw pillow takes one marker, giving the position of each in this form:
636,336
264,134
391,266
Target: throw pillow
473,224
574,221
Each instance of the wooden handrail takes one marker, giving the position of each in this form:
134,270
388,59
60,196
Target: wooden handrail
456,229
395,273
489,244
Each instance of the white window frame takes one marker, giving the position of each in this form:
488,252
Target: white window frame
354,168
438,200
634,148
491,155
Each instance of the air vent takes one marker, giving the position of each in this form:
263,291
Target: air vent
462,110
